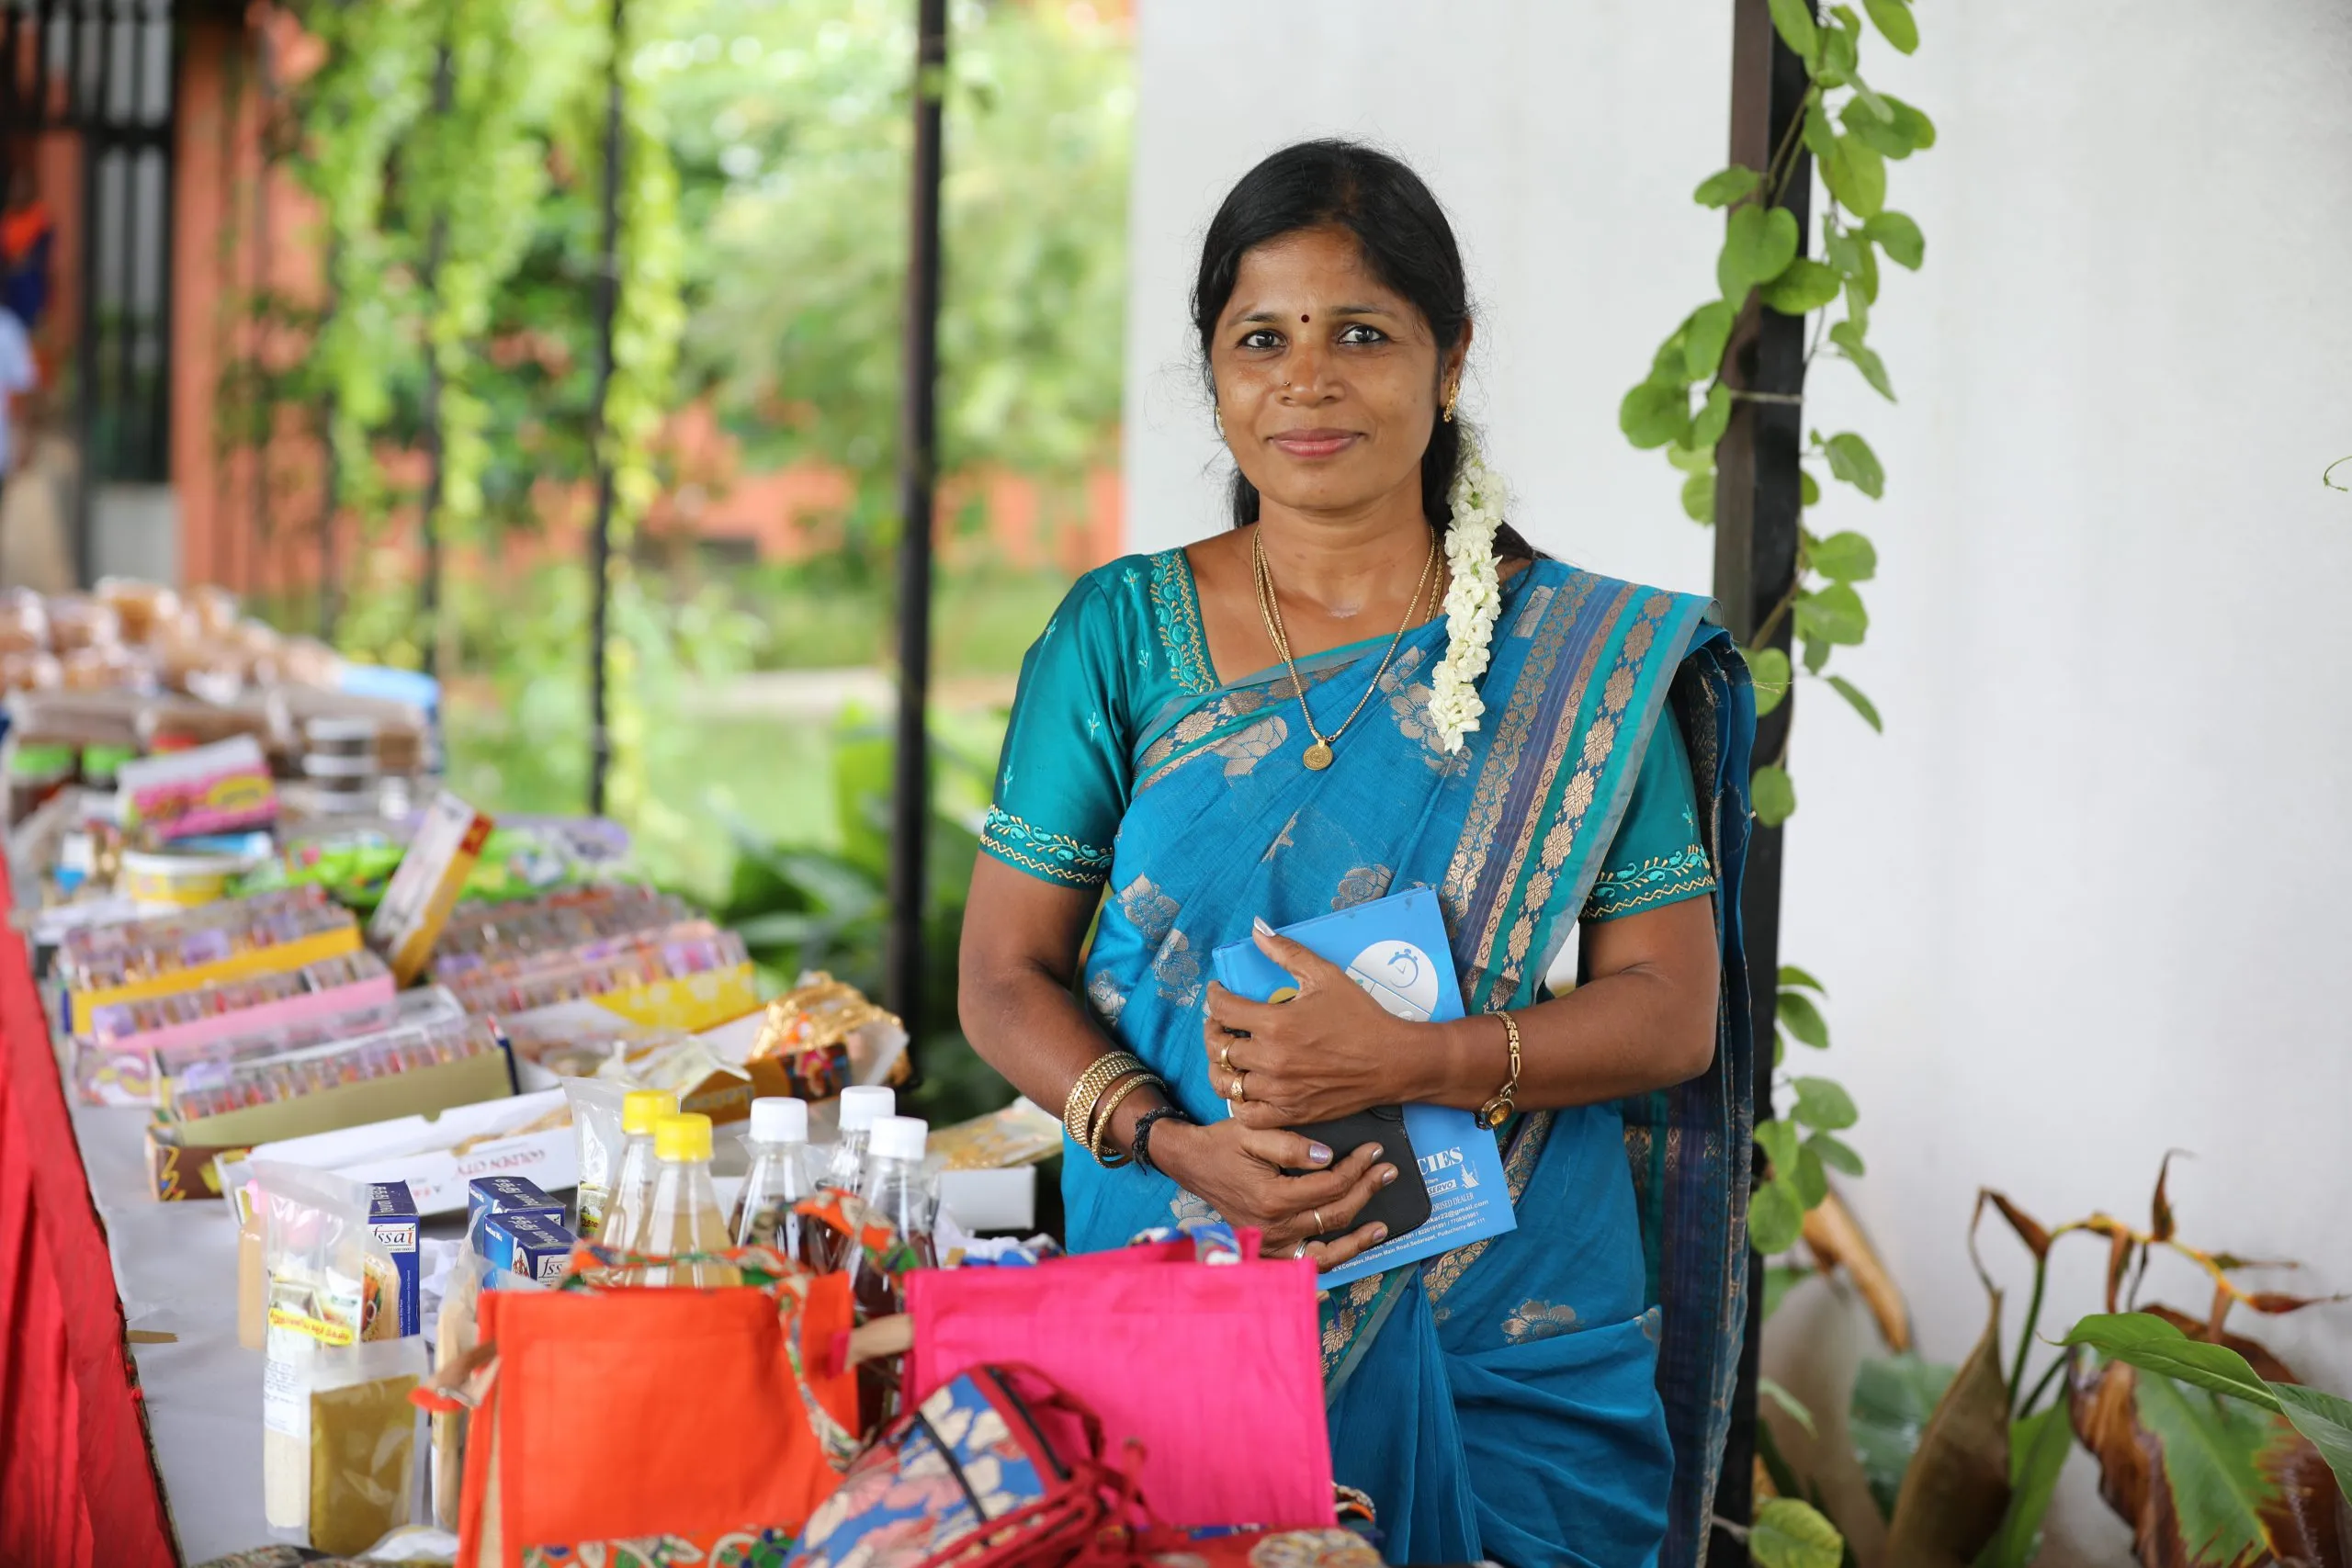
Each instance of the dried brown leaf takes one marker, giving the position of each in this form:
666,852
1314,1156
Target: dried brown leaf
2029,1230
1837,1240
1958,1485
2160,1217
2119,1263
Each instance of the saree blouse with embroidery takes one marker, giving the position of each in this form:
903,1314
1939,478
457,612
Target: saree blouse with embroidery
1123,663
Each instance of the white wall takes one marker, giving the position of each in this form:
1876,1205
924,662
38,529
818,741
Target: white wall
2084,901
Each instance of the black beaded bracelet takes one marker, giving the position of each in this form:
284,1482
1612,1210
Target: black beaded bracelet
1139,1143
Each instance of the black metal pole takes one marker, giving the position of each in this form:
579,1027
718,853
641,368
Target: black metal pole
1757,506
918,438
600,545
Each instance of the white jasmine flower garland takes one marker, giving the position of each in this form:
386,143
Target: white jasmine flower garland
1473,598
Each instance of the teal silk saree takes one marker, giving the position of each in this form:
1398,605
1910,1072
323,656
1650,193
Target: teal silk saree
1560,1393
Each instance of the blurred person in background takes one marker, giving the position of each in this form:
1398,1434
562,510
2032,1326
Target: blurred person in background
27,236
1372,684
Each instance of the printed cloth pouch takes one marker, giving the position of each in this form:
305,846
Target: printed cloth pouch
1179,1342
630,1427
995,1469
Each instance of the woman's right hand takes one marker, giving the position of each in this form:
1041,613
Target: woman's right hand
1239,1170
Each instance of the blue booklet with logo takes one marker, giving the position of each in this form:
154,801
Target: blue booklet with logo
1396,949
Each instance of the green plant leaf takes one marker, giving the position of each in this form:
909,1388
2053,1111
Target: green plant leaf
1704,336
1861,703
1893,1396
1813,1182
1715,418
1881,133
1808,489
1699,498
1781,1141
1757,243
1836,1153
1768,669
1851,459
2150,1343
1847,335
1801,1018
1841,249
1726,185
1792,20
1839,57
2213,1451
1821,1103
2325,1421
1895,233
2038,1448
1843,557
1772,796
1916,128
1791,1534
1775,1218
1894,22
1655,413
1832,615
1817,654
1692,459
1669,365
1856,175
1803,284
1820,136
1789,1403
1867,278
1779,1280
1792,977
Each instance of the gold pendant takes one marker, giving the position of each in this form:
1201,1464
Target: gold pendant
1318,757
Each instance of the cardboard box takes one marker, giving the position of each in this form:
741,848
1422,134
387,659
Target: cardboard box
439,1157
207,789
179,1152
528,1243
333,943
494,1195
128,1071
431,876
391,1217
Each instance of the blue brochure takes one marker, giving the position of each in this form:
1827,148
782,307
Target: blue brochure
1396,949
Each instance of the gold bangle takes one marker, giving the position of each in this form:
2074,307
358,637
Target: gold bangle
1101,1130
1078,1110
1499,1110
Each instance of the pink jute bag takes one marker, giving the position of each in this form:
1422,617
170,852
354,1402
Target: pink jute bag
1215,1368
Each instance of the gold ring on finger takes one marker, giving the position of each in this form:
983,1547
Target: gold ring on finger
1319,1226
1225,1057
1240,1087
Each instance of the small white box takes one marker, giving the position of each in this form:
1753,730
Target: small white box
991,1199
424,1151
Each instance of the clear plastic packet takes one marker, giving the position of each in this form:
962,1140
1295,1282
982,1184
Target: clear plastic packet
453,1337
596,1124
338,1432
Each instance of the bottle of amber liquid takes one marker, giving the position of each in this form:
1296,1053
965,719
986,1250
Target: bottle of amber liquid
899,1193
861,1106
766,1213
624,1224
685,1216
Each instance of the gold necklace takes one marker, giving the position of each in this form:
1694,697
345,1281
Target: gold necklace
1319,756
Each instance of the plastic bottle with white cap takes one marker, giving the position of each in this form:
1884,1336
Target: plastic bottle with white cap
861,1106
766,1213
898,1192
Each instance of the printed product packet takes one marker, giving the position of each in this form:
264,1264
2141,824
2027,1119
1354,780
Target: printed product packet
596,1123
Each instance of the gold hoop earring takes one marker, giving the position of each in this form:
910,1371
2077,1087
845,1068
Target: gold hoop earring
1216,417
1451,399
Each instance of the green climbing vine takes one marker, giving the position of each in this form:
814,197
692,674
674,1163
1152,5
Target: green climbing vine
1684,406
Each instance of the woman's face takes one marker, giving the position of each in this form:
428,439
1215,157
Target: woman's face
1327,379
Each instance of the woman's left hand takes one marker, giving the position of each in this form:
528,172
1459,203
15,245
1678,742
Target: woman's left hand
1329,1051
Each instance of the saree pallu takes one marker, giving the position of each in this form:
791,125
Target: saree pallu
1560,1393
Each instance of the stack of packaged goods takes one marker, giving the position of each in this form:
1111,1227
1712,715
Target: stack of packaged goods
643,956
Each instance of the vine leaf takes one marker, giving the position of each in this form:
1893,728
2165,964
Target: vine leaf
1758,241
1873,121
1851,459
1820,138
1894,22
1847,336
1808,489
1916,128
1834,1153
1699,498
1792,977
1768,669
1801,1018
1726,185
1817,654
1780,1141
1655,413
1812,1182
1773,795
1703,337
1856,174
1803,285
1793,1534
1861,703
1823,1104
1792,20
1844,557
1775,1218
1834,616
1899,237
1715,418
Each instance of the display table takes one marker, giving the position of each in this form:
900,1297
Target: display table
77,1488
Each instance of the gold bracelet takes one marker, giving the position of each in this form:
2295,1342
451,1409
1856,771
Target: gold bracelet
1078,1110
1100,1132
1497,1111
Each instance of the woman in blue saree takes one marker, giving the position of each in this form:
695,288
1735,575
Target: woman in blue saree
1271,725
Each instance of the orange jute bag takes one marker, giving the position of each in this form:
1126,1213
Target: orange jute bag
639,1427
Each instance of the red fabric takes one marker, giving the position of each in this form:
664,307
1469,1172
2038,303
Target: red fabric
76,1486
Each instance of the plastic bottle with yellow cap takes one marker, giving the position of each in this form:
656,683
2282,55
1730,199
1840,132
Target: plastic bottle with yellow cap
642,1109
685,1216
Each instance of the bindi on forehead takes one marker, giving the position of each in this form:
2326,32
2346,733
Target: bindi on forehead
1302,320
